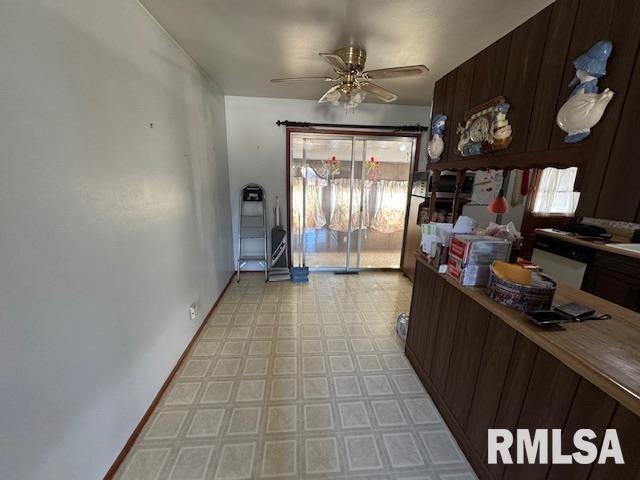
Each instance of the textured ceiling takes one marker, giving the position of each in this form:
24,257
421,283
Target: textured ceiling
242,44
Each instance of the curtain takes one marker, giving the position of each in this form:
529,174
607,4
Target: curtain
315,216
391,198
340,195
555,192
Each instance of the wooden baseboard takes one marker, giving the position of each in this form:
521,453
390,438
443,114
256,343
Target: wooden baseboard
136,432
476,462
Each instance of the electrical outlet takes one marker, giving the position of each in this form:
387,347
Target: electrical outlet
192,310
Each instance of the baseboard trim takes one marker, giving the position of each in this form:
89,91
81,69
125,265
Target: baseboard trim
136,432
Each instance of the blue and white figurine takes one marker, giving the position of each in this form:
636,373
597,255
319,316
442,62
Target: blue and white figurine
435,147
585,106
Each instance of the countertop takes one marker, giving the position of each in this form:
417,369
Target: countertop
605,247
605,352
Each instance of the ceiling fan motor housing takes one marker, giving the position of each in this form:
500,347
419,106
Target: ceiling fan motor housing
354,57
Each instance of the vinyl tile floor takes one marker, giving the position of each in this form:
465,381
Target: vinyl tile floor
299,381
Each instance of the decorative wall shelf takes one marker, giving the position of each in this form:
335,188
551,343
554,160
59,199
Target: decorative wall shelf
570,156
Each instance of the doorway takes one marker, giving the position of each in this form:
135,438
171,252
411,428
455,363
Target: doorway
348,198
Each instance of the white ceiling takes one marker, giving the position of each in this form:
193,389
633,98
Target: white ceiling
242,44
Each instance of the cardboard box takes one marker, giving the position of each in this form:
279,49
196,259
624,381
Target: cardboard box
469,275
479,249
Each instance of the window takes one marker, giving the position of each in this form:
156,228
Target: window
555,194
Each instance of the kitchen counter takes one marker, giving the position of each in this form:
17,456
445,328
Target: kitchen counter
486,366
596,245
605,352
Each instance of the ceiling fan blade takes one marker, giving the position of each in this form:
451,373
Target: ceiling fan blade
378,91
335,61
327,94
396,72
303,79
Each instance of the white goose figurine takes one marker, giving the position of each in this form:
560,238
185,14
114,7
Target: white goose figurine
585,105
435,147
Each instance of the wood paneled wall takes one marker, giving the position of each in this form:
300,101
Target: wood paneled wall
532,67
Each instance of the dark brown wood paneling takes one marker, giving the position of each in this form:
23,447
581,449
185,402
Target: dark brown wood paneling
418,318
550,393
618,21
514,389
437,106
627,426
521,77
489,70
466,353
448,315
620,195
593,409
434,316
464,79
449,96
493,372
549,86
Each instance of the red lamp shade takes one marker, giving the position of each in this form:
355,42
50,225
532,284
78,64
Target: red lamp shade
499,204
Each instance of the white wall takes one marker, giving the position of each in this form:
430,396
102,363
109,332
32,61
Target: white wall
109,229
256,145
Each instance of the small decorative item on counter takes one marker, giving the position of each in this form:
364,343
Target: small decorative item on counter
486,128
372,165
585,105
331,167
537,296
435,147
479,249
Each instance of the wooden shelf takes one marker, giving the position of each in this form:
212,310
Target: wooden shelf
569,156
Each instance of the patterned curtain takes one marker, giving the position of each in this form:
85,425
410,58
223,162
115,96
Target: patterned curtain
315,216
340,195
391,200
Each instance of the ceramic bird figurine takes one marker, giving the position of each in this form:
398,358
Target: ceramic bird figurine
435,147
585,106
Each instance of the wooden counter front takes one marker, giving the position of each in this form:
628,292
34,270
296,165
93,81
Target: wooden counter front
486,366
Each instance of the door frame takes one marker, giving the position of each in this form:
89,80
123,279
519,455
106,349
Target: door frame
415,161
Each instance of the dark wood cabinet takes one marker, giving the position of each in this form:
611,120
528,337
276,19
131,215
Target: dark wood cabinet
532,67
481,373
615,278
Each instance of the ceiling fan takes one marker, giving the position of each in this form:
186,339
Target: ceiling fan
353,82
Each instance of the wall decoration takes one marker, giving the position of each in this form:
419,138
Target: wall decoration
435,147
585,106
486,128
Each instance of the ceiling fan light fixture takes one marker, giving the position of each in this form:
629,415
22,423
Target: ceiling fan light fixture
353,81
354,98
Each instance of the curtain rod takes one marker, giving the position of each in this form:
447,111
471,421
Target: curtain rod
401,128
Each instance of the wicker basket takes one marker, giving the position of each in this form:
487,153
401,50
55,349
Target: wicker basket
520,297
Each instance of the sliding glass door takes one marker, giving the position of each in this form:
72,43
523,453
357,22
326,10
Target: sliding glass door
348,199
